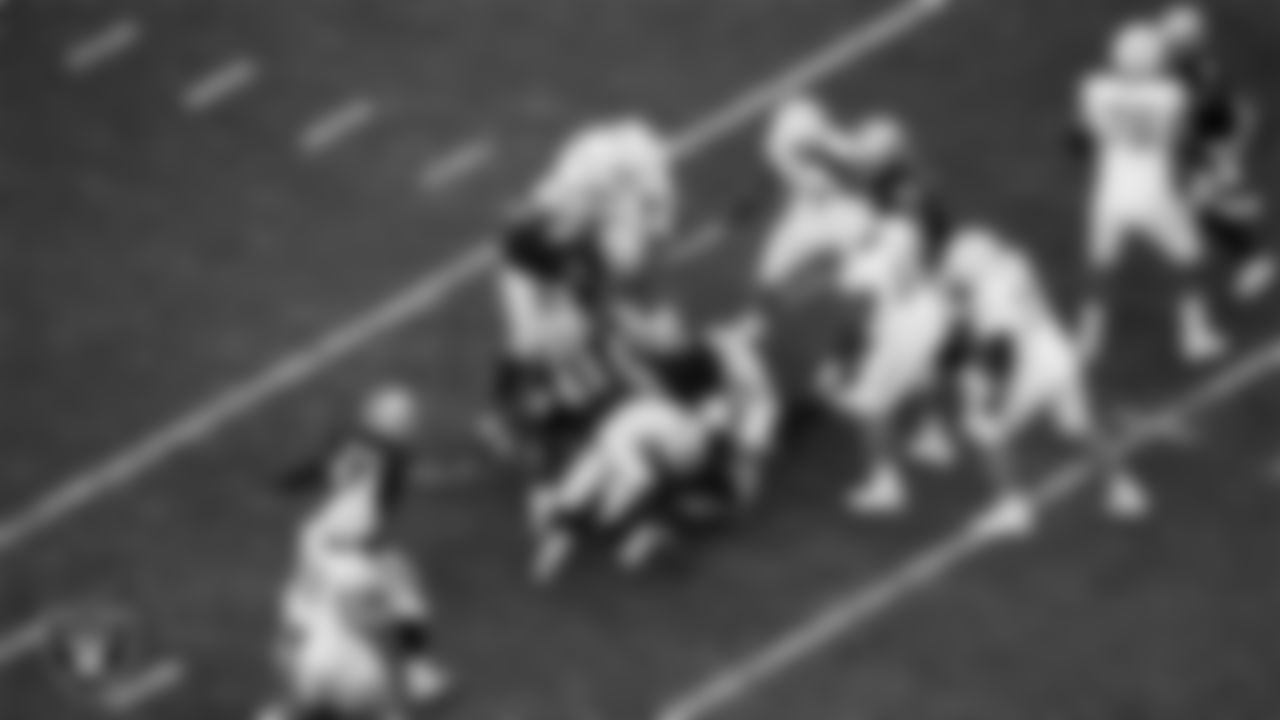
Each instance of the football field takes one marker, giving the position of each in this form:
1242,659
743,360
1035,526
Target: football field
224,219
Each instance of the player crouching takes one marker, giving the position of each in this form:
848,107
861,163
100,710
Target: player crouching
688,442
1019,366
355,638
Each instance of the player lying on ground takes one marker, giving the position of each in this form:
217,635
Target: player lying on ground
1016,365
686,443
355,637
1137,116
1222,128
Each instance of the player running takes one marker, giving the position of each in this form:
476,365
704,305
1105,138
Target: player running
355,638
1018,366
1137,116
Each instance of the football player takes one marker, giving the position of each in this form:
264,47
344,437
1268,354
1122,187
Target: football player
550,379
822,217
613,184
904,320
356,638
1223,124
688,441
1017,366
1137,117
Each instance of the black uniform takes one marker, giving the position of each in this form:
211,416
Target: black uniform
1216,141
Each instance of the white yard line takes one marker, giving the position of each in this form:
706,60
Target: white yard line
340,123
127,467
109,43
220,84
850,611
441,173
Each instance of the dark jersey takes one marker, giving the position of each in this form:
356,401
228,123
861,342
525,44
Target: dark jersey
359,455
1218,115
690,374
529,247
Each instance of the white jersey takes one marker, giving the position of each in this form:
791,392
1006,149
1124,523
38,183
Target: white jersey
614,181
888,266
1001,294
331,654
1137,124
346,518
645,437
542,321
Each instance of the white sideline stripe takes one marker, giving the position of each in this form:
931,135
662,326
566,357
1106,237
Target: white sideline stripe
854,609
220,84
108,43
127,466
336,125
443,172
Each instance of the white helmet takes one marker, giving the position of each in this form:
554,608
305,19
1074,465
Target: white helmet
879,139
390,412
798,123
974,250
1183,25
1138,48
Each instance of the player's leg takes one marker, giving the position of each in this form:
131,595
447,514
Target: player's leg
560,510
409,636
870,397
1109,230
1170,223
995,408
931,438
1059,387
1231,213
754,408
